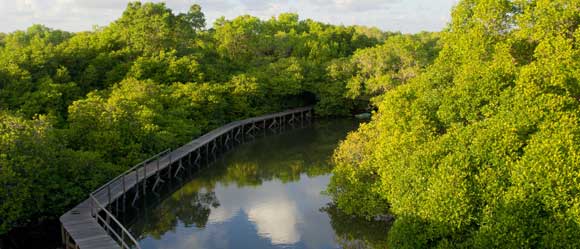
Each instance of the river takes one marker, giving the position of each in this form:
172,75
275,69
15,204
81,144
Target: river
266,193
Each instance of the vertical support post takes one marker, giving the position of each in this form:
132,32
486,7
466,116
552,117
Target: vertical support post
108,220
179,167
217,144
207,153
109,195
92,205
158,168
62,236
281,123
198,159
124,193
144,179
116,206
136,182
170,163
67,243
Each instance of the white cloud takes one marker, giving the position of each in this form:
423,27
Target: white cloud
77,15
276,220
283,213
352,5
268,207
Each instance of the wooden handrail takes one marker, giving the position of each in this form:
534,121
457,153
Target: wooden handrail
143,163
95,215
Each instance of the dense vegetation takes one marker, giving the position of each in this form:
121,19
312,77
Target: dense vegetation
482,148
475,142
79,108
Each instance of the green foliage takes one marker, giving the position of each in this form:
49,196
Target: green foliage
373,71
150,28
166,67
195,17
120,124
400,59
283,77
238,40
77,108
35,166
481,149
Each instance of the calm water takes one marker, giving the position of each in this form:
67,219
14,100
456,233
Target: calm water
263,194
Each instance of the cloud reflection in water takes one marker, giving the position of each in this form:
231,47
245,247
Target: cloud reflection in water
266,195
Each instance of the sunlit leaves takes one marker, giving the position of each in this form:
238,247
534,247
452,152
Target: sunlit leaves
151,80
481,149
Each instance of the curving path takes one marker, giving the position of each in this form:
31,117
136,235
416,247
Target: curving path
92,223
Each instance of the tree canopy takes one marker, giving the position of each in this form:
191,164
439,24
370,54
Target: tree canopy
479,150
78,108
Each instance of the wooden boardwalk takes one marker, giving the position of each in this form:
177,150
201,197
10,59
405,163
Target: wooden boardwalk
92,223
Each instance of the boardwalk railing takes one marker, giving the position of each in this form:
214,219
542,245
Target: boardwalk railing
113,228
135,169
92,224
98,209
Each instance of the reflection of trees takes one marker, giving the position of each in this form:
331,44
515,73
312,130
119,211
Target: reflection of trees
355,232
198,212
189,208
283,157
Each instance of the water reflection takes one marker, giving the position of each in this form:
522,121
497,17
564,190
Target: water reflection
264,194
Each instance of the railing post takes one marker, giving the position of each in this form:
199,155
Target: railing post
207,154
109,195
108,220
116,206
124,193
92,205
170,162
157,167
243,132
62,231
144,179
281,123
137,181
198,158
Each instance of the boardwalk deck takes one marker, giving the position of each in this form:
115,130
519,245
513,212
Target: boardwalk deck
91,224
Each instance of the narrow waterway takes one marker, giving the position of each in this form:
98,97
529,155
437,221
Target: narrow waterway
266,193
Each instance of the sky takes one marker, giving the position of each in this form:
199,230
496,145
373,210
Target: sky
407,16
